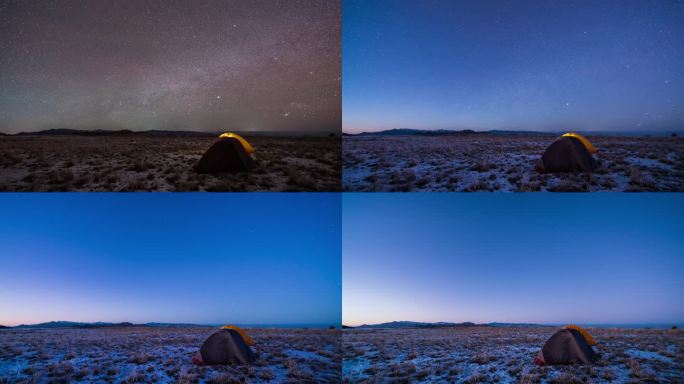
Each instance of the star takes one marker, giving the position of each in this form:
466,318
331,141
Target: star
234,63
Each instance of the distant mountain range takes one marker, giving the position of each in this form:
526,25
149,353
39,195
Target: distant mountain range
158,132
443,132
464,132
385,133
99,324
417,132
519,325
416,324
104,132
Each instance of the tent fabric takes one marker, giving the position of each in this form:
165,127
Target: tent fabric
225,155
225,346
590,340
245,144
566,346
590,148
248,339
567,154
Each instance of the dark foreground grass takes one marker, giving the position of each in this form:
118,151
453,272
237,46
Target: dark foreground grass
163,163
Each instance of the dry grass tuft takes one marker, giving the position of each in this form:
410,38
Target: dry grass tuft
484,162
506,354
151,355
152,163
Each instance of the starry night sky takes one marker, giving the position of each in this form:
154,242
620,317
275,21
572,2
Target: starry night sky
530,65
181,65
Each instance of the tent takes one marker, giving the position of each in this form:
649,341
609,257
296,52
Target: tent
567,154
248,340
245,144
590,340
566,346
225,155
225,346
592,150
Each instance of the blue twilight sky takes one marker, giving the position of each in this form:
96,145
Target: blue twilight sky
614,65
586,258
197,258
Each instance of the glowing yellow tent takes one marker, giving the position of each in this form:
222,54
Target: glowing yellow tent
248,340
590,148
590,340
245,144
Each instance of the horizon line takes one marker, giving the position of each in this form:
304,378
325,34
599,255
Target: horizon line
135,130
590,324
485,130
242,324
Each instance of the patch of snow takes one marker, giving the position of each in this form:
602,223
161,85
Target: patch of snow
13,368
304,355
355,368
652,163
637,353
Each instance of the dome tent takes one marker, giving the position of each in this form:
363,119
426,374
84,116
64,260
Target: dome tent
225,346
567,153
590,340
245,144
225,155
567,346
590,147
248,339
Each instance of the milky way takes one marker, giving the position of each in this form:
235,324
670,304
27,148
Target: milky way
180,65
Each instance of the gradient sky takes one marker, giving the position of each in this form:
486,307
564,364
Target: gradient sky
532,65
588,258
196,258
258,65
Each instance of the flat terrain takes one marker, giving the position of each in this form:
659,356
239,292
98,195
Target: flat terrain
161,163
506,355
499,162
162,355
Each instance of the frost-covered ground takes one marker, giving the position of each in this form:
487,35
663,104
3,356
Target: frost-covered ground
497,162
162,355
506,355
162,163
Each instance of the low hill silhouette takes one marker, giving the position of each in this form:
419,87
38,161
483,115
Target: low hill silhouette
99,324
440,324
